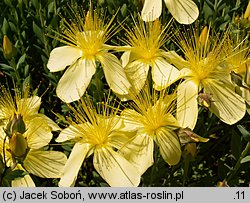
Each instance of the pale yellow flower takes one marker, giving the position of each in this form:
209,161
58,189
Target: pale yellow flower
144,50
85,48
184,11
96,131
206,73
151,117
23,134
239,59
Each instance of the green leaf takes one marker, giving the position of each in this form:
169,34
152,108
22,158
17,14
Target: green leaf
35,4
12,175
124,10
6,67
27,81
13,27
8,2
245,159
248,111
5,27
38,32
244,132
51,7
26,70
21,61
236,145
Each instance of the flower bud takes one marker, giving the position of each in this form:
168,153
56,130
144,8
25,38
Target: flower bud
222,184
204,99
8,49
204,36
186,135
15,125
18,145
247,12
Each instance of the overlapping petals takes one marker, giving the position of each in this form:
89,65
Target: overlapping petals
184,11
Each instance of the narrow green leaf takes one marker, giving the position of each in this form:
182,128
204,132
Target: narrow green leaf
5,27
35,3
244,132
245,159
6,67
15,174
8,2
236,145
21,61
124,10
38,32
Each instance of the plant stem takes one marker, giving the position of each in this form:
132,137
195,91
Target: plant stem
238,163
14,66
154,167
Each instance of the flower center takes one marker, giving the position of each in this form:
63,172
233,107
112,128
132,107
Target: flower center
98,133
154,119
202,68
90,42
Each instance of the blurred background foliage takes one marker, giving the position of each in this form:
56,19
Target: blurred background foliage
28,24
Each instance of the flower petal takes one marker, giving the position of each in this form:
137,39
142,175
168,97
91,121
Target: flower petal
130,120
61,57
73,164
45,164
173,58
114,73
139,152
25,181
187,105
225,104
151,10
125,58
50,122
69,133
38,133
75,80
30,105
137,73
164,74
115,169
184,11
169,145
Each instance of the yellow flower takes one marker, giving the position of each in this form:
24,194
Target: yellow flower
97,131
206,72
85,40
239,59
23,134
152,118
144,50
184,11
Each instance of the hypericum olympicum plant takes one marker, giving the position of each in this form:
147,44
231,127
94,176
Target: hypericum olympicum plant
184,11
144,50
96,131
85,38
151,117
23,134
207,77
